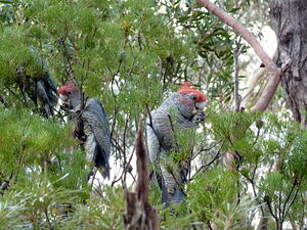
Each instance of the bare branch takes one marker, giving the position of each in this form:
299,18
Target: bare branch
271,87
239,28
203,167
237,97
139,213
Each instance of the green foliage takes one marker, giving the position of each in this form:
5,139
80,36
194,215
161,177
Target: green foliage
177,217
130,55
261,144
14,52
234,130
27,139
38,205
210,193
103,213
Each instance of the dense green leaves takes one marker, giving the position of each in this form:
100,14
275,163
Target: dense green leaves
27,139
130,55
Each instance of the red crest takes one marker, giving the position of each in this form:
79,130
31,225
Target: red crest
67,88
186,89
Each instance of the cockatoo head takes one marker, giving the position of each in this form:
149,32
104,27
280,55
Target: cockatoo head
191,101
69,95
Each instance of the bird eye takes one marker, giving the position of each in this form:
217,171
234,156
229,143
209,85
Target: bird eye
68,92
194,97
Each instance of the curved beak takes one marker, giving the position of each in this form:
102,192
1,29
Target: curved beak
62,100
200,105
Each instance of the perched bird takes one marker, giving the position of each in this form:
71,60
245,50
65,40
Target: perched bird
181,110
40,88
91,126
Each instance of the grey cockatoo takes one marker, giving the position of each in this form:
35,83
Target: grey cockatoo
41,87
92,126
180,111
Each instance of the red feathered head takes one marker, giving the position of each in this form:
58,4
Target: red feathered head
186,89
67,89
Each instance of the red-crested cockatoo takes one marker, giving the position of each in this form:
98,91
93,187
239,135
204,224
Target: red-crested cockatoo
92,126
181,110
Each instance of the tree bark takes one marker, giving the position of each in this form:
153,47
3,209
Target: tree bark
140,215
264,219
269,91
289,21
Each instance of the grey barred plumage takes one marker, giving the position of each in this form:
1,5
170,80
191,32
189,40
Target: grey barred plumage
95,130
178,112
40,86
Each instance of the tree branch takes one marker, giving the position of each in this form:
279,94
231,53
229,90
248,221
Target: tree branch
139,214
239,28
271,87
237,97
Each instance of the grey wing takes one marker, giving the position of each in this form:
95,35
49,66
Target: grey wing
160,141
44,99
50,88
159,134
170,175
98,134
46,87
153,143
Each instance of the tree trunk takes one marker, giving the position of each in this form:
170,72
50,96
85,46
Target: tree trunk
263,223
289,20
140,215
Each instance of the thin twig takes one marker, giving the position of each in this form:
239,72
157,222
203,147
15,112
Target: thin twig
266,199
296,183
209,163
205,150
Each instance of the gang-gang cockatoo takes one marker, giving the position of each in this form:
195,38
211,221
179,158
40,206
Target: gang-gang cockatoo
181,111
91,126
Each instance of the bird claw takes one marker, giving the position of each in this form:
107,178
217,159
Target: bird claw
199,117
